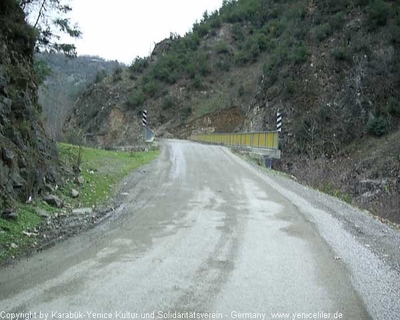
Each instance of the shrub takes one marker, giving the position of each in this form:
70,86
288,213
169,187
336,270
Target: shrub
378,126
378,12
221,48
101,75
296,12
25,129
186,112
276,27
150,88
241,91
395,34
299,54
322,32
118,70
191,69
361,2
290,88
237,32
139,64
191,41
202,29
333,6
203,65
197,81
337,21
393,107
341,54
243,57
271,66
361,44
136,99
262,41
166,69
223,65
282,51
215,23
168,102
251,49
42,71
117,76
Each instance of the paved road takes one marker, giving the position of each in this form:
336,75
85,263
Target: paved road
204,231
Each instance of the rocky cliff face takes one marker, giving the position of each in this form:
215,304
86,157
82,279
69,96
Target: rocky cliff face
28,159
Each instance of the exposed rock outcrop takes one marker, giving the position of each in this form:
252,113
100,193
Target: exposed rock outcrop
28,159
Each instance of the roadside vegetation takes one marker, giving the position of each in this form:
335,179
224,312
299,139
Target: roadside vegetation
278,35
99,172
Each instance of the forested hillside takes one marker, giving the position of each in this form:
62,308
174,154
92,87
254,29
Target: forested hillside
332,67
64,78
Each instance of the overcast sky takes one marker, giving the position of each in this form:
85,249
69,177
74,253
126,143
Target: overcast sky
123,29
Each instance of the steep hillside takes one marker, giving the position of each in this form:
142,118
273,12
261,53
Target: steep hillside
67,78
28,158
332,67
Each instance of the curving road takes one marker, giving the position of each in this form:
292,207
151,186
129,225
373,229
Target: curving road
204,233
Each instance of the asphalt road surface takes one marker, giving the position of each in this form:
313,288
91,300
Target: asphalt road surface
203,233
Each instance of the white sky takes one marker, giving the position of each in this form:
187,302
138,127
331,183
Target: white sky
123,29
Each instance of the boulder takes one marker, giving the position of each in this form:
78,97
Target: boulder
17,181
21,162
10,215
42,213
7,156
48,188
5,106
74,193
52,175
80,181
76,168
53,201
3,80
82,211
370,185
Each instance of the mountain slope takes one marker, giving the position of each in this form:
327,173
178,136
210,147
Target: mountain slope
67,79
332,68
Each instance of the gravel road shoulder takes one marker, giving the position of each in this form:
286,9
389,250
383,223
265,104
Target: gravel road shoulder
369,248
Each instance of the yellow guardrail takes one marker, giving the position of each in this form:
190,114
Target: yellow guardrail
264,140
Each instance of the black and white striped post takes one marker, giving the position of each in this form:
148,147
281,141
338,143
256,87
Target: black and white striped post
148,134
144,124
144,118
279,121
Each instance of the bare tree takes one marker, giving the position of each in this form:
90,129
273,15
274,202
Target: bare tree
56,105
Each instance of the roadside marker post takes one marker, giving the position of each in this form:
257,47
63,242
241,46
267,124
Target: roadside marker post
279,121
148,135
144,118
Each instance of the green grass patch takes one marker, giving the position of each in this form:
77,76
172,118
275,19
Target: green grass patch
101,170
12,239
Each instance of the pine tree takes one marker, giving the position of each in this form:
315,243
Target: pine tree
49,19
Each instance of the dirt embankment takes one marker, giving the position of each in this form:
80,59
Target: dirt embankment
366,174
224,121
